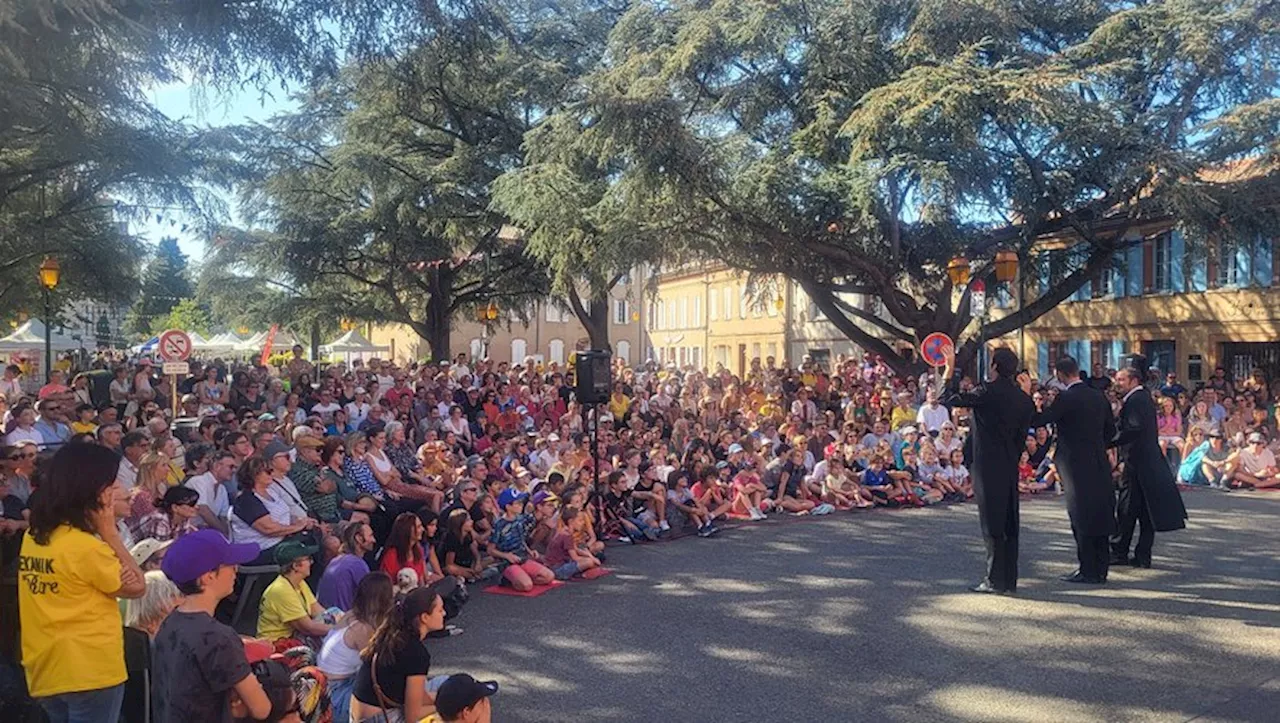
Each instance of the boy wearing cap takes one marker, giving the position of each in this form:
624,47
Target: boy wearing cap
463,699
510,531
196,660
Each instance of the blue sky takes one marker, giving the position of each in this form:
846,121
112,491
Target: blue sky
204,108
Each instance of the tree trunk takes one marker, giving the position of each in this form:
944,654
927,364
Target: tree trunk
594,317
315,340
438,319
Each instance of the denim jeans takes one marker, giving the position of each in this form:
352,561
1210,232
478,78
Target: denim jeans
88,706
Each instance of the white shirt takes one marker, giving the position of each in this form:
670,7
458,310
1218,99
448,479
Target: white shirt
932,418
357,413
19,435
291,496
12,389
325,411
212,495
127,473
1130,394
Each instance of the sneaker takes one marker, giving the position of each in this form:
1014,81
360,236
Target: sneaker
757,515
712,529
704,531
665,526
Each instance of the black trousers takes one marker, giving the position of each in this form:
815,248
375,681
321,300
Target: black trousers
1002,550
1132,511
1094,553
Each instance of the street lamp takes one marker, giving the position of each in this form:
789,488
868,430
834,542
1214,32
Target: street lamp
958,271
1006,266
50,272
486,315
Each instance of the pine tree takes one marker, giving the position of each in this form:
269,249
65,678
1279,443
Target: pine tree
165,282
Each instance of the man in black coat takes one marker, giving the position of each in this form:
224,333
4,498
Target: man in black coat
1149,495
1085,426
1001,412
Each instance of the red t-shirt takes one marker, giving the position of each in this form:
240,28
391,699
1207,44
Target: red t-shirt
391,564
558,549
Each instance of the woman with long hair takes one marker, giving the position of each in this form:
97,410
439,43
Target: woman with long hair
153,480
76,566
340,654
404,547
391,684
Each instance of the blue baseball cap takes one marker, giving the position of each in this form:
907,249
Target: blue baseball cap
510,496
203,551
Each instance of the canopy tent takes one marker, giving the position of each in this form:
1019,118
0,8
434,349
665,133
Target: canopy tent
353,342
226,341
30,336
283,341
146,347
196,339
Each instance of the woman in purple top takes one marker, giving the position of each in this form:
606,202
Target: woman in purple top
337,587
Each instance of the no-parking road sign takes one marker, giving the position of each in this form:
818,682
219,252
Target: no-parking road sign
174,345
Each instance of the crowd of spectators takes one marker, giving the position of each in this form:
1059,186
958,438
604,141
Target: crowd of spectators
376,494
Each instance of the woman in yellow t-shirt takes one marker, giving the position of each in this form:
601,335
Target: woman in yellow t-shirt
72,568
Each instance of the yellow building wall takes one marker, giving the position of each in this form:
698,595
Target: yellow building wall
1197,322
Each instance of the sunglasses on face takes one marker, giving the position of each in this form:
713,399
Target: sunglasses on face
25,455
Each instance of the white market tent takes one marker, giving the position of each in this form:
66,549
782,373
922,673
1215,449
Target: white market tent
224,342
30,336
283,341
353,343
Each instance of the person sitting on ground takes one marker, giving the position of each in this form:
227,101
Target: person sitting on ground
289,610
710,492
684,506
507,543
404,549
395,664
546,510
564,558
619,512
339,658
463,699
839,488
918,492
749,493
1207,463
459,550
341,577
783,478
1255,465
883,488
958,475
652,493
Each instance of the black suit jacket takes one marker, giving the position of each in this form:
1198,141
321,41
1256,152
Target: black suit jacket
1085,426
1001,414
1138,442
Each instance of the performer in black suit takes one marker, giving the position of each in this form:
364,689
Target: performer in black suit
1001,413
1085,425
1149,495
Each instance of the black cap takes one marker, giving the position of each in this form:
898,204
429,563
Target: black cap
460,692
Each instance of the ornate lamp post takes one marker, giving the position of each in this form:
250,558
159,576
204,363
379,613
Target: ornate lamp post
50,274
486,315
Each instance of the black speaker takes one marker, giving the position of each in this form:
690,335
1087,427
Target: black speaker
591,372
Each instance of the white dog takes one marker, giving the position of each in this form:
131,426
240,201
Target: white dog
406,580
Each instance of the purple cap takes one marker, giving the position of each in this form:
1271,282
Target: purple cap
203,551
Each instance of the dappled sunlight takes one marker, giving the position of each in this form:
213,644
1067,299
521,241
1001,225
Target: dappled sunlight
869,618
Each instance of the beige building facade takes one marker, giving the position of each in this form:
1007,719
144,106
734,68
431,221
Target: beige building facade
547,330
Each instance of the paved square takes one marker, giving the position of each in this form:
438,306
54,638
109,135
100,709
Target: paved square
866,617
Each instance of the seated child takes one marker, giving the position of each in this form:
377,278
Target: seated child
957,475
564,557
839,487
507,543
1028,481
619,512
685,507
748,494
710,491
884,489
932,475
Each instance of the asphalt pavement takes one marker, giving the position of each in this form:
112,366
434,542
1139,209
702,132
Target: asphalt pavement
866,617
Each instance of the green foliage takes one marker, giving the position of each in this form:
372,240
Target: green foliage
165,283
187,315
376,195
856,146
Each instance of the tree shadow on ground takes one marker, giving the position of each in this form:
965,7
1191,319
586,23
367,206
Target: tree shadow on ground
866,617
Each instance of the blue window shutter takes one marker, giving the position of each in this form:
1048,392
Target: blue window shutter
1117,351
1244,253
1117,271
1134,269
1262,262
1199,271
1042,361
1177,252
1083,353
